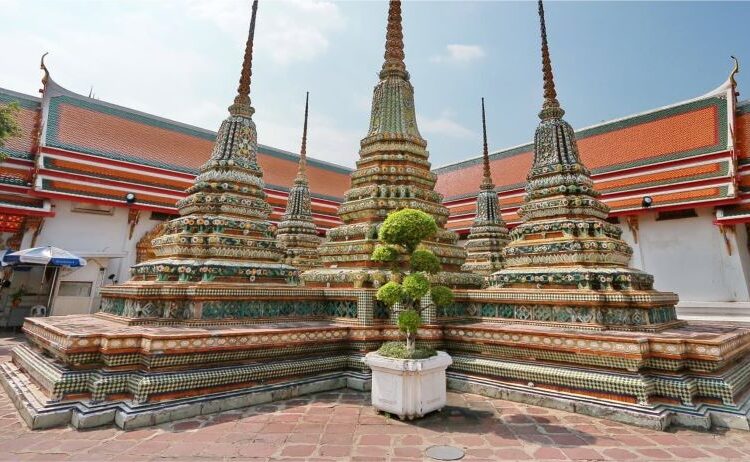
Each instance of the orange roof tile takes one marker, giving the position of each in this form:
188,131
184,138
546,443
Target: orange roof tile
693,128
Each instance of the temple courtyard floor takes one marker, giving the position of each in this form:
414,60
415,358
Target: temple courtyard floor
341,426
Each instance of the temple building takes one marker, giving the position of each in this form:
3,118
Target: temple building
566,322
676,180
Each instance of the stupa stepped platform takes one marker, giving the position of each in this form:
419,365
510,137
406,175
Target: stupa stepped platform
95,370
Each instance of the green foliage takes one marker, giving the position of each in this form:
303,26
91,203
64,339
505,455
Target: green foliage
8,123
401,233
407,227
398,350
441,295
390,293
409,321
425,260
416,286
385,253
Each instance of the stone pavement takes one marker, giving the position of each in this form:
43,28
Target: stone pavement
341,426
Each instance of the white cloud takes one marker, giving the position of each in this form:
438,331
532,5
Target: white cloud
289,30
455,53
444,125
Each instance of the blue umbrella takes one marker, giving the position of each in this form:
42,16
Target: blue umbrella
48,255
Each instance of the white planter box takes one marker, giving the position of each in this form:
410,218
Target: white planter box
408,388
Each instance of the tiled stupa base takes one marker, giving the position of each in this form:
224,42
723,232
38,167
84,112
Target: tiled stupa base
94,370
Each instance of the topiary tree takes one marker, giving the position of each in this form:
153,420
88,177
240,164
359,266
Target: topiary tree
8,124
400,237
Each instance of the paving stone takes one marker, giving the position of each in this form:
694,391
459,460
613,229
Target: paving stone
582,453
688,453
619,454
299,450
512,454
375,440
549,454
333,450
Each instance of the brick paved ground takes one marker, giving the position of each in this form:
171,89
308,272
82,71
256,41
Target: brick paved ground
341,426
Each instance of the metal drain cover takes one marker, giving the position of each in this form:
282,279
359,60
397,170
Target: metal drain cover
444,453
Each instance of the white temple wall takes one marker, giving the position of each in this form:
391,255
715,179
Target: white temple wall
102,238
689,256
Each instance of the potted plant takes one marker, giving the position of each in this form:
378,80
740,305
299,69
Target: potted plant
17,296
407,380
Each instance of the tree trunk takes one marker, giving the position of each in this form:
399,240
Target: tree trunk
411,341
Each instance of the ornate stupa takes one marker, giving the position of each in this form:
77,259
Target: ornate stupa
564,241
393,172
223,233
489,233
297,233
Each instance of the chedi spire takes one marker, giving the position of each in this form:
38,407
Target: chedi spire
223,234
565,245
393,173
487,174
302,167
394,42
241,105
550,107
297,233
489,233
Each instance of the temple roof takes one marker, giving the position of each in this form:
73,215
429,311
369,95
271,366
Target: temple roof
669,133
82,124
669,147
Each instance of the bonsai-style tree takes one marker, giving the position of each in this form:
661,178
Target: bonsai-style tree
400,236
8,124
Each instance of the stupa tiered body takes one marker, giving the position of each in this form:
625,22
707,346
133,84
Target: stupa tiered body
566,324
297,233
393,172
223,234
489,233
565,261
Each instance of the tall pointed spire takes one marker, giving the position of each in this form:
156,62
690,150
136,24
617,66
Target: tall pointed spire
223,234
394,42
551,107
489,233
302,168
393,173
487,177
241,105
297,233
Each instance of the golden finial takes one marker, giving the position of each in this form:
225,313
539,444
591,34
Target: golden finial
487,177
734,72
394,42
301,170
42,66
551,107
241,106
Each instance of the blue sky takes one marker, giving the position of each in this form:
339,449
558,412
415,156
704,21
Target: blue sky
180,59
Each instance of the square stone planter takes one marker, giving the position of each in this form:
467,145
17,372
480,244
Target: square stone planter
408,388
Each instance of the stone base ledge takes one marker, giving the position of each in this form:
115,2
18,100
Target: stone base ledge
656,417
39,412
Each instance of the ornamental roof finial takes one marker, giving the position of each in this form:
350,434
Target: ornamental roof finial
241,106
735,71
487,177
302,168
394,43
551,107
43,67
